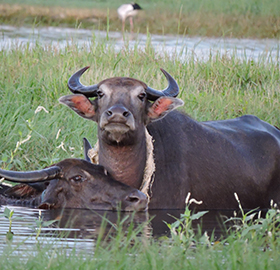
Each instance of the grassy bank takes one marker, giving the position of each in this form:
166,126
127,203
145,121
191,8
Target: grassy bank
239,18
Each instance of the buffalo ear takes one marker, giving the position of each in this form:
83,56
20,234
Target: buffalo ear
81,105
162,106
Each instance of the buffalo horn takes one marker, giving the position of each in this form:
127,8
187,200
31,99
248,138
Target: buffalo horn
87,147
172,90
31,176
76,87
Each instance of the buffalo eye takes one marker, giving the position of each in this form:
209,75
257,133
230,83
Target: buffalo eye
77,178
100,94
142,96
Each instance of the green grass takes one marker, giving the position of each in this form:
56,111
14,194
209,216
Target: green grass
239,18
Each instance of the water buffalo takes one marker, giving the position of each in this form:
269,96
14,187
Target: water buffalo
212,160
73,183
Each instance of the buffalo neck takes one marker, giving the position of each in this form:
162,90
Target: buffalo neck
126,163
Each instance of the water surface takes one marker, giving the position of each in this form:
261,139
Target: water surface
81,227
183,46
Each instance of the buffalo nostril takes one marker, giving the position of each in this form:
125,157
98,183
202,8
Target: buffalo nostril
109,113
132,199
136,201
126,114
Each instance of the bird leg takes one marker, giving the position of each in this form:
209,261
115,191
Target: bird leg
123,25
131,24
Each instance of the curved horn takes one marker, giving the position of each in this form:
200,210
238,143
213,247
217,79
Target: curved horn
31,176
172,90
76,87
87,146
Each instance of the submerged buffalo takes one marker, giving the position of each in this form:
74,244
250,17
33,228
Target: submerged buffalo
212,160
73,183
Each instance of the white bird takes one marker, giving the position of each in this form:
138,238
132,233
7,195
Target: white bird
128,11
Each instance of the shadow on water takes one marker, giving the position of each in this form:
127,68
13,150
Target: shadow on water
213,221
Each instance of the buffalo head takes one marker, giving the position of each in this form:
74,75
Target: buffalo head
76,183
122,106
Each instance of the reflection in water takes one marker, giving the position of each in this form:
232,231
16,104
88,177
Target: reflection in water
87,224
183,46
80,227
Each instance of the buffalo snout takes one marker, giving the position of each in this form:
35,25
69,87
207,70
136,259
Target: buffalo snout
136,201
118,112
117,115
120,115
116,122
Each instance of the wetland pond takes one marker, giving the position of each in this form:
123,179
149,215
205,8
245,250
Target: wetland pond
183,46
81,227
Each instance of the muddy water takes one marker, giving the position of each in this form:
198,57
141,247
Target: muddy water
183,46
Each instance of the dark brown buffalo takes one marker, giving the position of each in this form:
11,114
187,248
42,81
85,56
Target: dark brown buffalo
73,183
212,160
